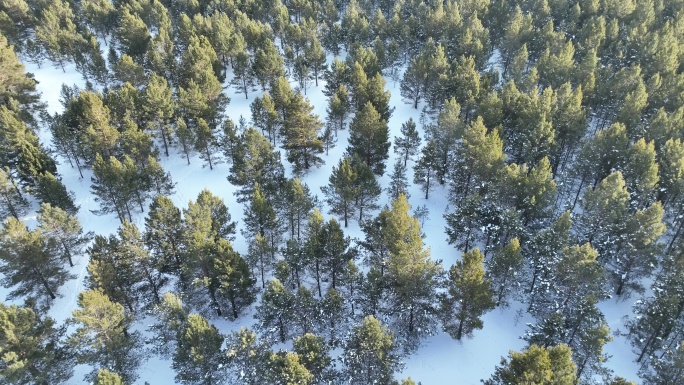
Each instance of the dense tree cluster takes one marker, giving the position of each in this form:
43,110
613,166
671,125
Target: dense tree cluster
554,128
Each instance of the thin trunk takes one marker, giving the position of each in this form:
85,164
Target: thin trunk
410,325
427,185
677,233
234,306
459,334
67,253
261,262
44,282
281,325
318,277
579,189
153,285
166,144
649,342
212,294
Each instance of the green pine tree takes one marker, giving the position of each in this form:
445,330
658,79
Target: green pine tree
469,296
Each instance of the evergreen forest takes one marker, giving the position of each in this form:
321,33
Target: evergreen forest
309,192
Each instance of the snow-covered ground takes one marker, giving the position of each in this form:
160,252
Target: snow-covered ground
441,360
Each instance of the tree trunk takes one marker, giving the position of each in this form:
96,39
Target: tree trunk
214,302
44,282
67,253
166,144
318,277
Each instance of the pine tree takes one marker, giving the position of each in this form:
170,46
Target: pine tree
398,181
286,368
113,272
411,274
313,247
536,365
261,218
32,348
301,72
132,36
31,263
206,143
57,32
335,251
370,354
479,160
171,317
531,191
260,256
407,145
367,188
412,83
149,268
235,283
200,91
105,341
426,169
207,230
301,128
163,233
333,320
185,137
65,229
111,188
105,377
256,161
265,116
273,313
198,357
296,204
267,65
305,313
369,138
246,357
243,79
341,191
503,269
158,108
445,134
469,296
313,355
50,190
13,203
339,108
668,369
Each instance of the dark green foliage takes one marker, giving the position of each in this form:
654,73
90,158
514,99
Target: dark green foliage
105,377
255,161
369,138
341,191
407,145
503,270
64,229
198,357
313,355
32,350
50,190
30,263
370,354
105,341
13,203
274,312
301,131
536,365
469,296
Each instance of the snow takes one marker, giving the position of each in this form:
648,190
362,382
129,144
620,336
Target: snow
440,360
